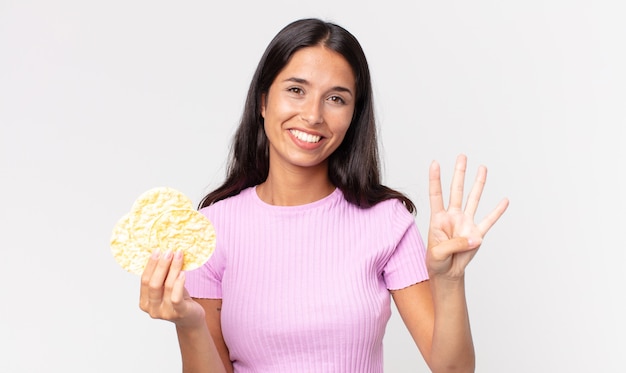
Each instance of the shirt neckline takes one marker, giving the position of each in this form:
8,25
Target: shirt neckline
329,199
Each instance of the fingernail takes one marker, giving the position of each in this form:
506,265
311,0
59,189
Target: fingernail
473,243
168,254
156,253
178,255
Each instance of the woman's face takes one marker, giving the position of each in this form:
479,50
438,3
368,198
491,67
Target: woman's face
308,108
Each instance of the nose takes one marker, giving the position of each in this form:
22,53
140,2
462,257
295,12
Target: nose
312,111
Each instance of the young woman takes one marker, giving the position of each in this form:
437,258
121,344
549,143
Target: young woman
311,246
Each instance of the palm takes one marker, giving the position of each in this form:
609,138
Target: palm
447,255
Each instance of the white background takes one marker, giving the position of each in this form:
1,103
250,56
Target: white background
100,101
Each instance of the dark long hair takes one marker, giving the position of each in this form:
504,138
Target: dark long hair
354,166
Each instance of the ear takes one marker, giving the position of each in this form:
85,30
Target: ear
263,98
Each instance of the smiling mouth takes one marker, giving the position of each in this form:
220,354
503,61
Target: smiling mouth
306,137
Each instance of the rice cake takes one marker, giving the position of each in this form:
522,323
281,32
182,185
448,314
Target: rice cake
164,219
149,205
186,230
126,252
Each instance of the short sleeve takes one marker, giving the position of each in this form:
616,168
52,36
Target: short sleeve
407,264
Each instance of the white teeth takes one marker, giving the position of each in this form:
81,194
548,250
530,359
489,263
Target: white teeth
305,136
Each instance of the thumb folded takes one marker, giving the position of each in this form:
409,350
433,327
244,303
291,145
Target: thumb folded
457,245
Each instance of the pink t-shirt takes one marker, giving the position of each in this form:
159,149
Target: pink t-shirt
306,288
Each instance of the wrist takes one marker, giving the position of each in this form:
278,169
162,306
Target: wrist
191,330
442,284
195,321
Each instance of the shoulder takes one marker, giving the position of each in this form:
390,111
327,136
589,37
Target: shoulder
390,214
228,203
395,215
391,208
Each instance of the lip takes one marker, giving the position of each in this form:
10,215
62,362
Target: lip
304,144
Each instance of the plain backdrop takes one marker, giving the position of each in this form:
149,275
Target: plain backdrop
100,101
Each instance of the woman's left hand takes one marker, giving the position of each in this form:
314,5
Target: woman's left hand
453,236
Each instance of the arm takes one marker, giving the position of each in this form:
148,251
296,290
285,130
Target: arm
435,311
213,310
437,319
163,296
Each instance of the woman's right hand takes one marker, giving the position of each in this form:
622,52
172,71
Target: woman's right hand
163,294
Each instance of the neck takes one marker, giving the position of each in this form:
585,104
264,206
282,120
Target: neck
295,188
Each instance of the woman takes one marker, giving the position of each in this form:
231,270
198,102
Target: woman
310,243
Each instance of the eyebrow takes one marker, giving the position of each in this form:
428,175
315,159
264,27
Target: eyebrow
306,82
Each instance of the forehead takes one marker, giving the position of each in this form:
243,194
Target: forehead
319,65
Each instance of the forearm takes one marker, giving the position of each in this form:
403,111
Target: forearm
452,346
198,351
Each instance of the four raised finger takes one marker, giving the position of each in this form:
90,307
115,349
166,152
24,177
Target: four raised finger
458,180
493,216
456,194
477,189
434,188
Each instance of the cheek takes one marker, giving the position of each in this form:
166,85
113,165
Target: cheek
280,110
343,122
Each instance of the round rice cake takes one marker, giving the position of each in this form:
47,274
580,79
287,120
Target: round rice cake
187,230
168,215
126,251
149,205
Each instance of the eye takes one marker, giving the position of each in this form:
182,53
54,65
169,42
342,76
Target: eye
296,90
337,99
